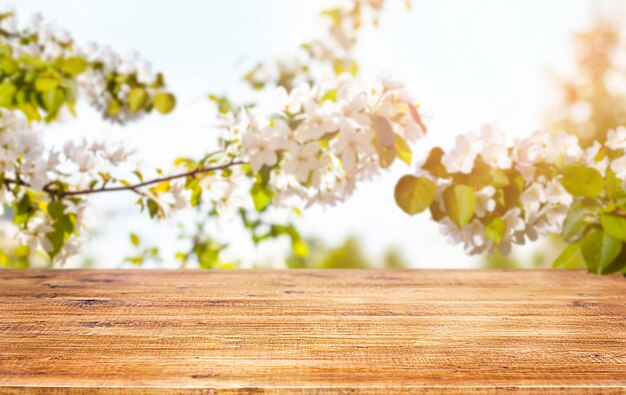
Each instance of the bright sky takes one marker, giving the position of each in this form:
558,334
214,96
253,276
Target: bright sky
466,62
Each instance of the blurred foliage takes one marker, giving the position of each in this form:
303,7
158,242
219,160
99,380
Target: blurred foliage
15,258
592,101
348,255
540,258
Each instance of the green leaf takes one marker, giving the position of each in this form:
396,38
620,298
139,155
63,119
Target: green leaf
9,66
23,210
30,111
137,99
583,181
618,265
300,247
574,221
196,195
46,83
159,82
56,210
153,208
495,230
32,61
164,102
346,66
113,107
52,100
134,239
480,176
613,184
436,212
566,255
386,155
223,104
384,140
74,65
499,179
402,149
7,93
433,163
261,196
599,250
614,226
460,203
414,194
330,95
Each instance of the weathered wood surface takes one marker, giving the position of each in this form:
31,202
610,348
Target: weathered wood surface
370,332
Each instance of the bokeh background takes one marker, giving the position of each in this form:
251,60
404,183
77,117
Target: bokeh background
558,64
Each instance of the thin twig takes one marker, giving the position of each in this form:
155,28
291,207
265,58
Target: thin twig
134,187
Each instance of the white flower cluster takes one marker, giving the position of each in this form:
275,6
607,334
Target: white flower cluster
29,168
324,138
37,38
541,203
22,152
109,77
24,157
346,19
94,82
330,52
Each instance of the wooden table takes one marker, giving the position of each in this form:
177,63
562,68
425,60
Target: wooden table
301,332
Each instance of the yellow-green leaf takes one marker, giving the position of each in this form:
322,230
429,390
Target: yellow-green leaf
52,100
433,163
162,187
9,66
460,203
7,93
495,230
300,247
580,180
402,150
114,107
137,99
164,102
74,65
330,95
414,194
30,111
46,83
134,239
599,250
614,226
566,255
31,60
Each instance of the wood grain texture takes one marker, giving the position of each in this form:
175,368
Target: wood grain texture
318,332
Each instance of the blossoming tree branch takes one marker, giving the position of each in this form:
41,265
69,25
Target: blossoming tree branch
488,194
313,148
328,132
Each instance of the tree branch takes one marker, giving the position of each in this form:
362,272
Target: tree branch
134,187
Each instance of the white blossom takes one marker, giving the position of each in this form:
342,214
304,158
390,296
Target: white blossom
485,202
461,158
303,159
619,167
616,139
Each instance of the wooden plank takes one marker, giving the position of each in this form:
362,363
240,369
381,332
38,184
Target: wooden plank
301,332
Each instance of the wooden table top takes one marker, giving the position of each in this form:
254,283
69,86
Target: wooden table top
301,331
